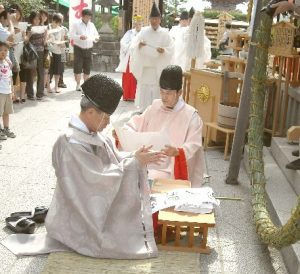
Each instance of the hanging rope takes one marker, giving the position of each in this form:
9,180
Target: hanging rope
268,232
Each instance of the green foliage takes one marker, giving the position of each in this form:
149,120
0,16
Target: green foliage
214,14
211,14
98,20
27,5
171,11
113,22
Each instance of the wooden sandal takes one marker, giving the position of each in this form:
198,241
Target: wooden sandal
20,225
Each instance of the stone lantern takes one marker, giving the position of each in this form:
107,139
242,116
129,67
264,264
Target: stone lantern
106,52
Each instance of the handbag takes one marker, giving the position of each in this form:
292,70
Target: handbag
15,63
29,57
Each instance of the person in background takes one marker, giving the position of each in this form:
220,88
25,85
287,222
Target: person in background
128,80
38,40
61,83
225,41
179,35
18,50
55,39
6,103
84,34
44,17
6,27
152,50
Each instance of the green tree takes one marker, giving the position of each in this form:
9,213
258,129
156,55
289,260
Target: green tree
171,11
26,5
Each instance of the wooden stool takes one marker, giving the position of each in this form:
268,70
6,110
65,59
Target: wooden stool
227,131
181,221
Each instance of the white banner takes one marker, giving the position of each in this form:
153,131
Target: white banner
75,10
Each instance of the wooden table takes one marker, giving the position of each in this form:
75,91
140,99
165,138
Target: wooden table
182,221
228,132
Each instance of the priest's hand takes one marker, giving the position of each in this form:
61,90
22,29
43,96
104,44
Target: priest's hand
160,50
145,156
142,44
170,151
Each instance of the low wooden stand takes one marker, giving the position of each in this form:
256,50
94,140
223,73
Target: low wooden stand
180,221
227,131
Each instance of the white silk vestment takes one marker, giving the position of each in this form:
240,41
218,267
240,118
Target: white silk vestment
146,63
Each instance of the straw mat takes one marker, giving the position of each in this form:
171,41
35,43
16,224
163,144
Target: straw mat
166,263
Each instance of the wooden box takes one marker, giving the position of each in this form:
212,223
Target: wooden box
206,93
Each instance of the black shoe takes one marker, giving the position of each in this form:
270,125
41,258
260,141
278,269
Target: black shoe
39,98
295,153
30,98
295,165
62,85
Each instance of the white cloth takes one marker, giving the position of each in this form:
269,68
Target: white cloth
125,43
18,47
80,28
147,63
5,77
4,33
179,35
55,37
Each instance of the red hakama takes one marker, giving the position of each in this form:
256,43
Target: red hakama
128,85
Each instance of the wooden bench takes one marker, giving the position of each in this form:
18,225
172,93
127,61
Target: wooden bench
227,131
196,225
180,221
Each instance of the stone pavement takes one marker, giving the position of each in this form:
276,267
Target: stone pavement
28,180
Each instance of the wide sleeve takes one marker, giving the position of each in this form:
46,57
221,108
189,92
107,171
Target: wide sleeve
139,122
193,140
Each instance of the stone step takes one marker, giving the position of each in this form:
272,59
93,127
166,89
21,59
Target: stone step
282,153
281,198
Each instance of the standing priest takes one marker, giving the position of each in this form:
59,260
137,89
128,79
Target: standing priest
152,52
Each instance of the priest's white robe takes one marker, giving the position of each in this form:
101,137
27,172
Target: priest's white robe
147,63
184,126
179,35
101,205
125,43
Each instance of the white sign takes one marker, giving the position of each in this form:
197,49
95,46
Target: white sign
75,10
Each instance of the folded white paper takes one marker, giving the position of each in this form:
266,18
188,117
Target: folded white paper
38,29
132,140
194,200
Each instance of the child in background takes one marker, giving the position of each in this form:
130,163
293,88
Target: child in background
6,103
